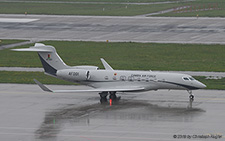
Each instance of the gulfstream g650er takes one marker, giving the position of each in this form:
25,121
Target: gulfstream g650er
109,81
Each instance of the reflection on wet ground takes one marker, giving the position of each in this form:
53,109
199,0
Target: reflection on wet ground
136,110
28,114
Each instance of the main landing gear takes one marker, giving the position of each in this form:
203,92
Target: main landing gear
112,97
103,97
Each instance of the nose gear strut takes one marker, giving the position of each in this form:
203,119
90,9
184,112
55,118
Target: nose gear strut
191,97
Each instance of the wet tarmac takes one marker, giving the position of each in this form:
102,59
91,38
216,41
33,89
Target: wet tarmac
113,28
27,113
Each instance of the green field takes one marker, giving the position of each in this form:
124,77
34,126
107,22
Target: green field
112,7
117,1
218,84
80,8
27,78
202,8
7,42
131,56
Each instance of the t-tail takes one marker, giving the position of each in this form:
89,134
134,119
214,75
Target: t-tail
50,60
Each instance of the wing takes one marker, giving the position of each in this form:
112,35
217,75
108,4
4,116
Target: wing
122,89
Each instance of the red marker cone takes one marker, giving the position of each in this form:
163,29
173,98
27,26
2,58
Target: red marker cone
110,102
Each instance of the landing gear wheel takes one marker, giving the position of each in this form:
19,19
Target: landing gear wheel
191,97
113,97
103,97
103,100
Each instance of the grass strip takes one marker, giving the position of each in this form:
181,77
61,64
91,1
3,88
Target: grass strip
111,1
7,42
218,84
199,8
127,56
81,8
27,78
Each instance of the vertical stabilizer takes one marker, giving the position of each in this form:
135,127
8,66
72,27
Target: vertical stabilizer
50,60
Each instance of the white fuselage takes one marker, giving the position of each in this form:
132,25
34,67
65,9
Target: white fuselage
150,80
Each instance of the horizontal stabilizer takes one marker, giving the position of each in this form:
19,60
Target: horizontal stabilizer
130,89
38,47
32,49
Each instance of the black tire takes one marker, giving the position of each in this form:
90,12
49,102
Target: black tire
191,96
113,97
103,100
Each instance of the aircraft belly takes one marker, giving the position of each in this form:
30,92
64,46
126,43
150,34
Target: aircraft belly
165,85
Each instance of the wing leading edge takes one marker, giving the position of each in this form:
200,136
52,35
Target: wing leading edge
122,89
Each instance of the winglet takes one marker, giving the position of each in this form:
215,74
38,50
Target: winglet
106,65
44,88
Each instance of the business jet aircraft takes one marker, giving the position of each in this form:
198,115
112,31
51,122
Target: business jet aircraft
109,81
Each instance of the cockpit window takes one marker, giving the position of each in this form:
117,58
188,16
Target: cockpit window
191,78
185,78
188,78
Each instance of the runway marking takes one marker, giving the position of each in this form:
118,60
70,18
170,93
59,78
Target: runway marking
16,20
218,99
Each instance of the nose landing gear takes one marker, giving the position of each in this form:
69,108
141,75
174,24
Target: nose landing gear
191,97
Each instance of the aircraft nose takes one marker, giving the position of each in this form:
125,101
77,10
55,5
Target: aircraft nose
201,85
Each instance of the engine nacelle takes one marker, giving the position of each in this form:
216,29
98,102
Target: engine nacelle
86,67
74,74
